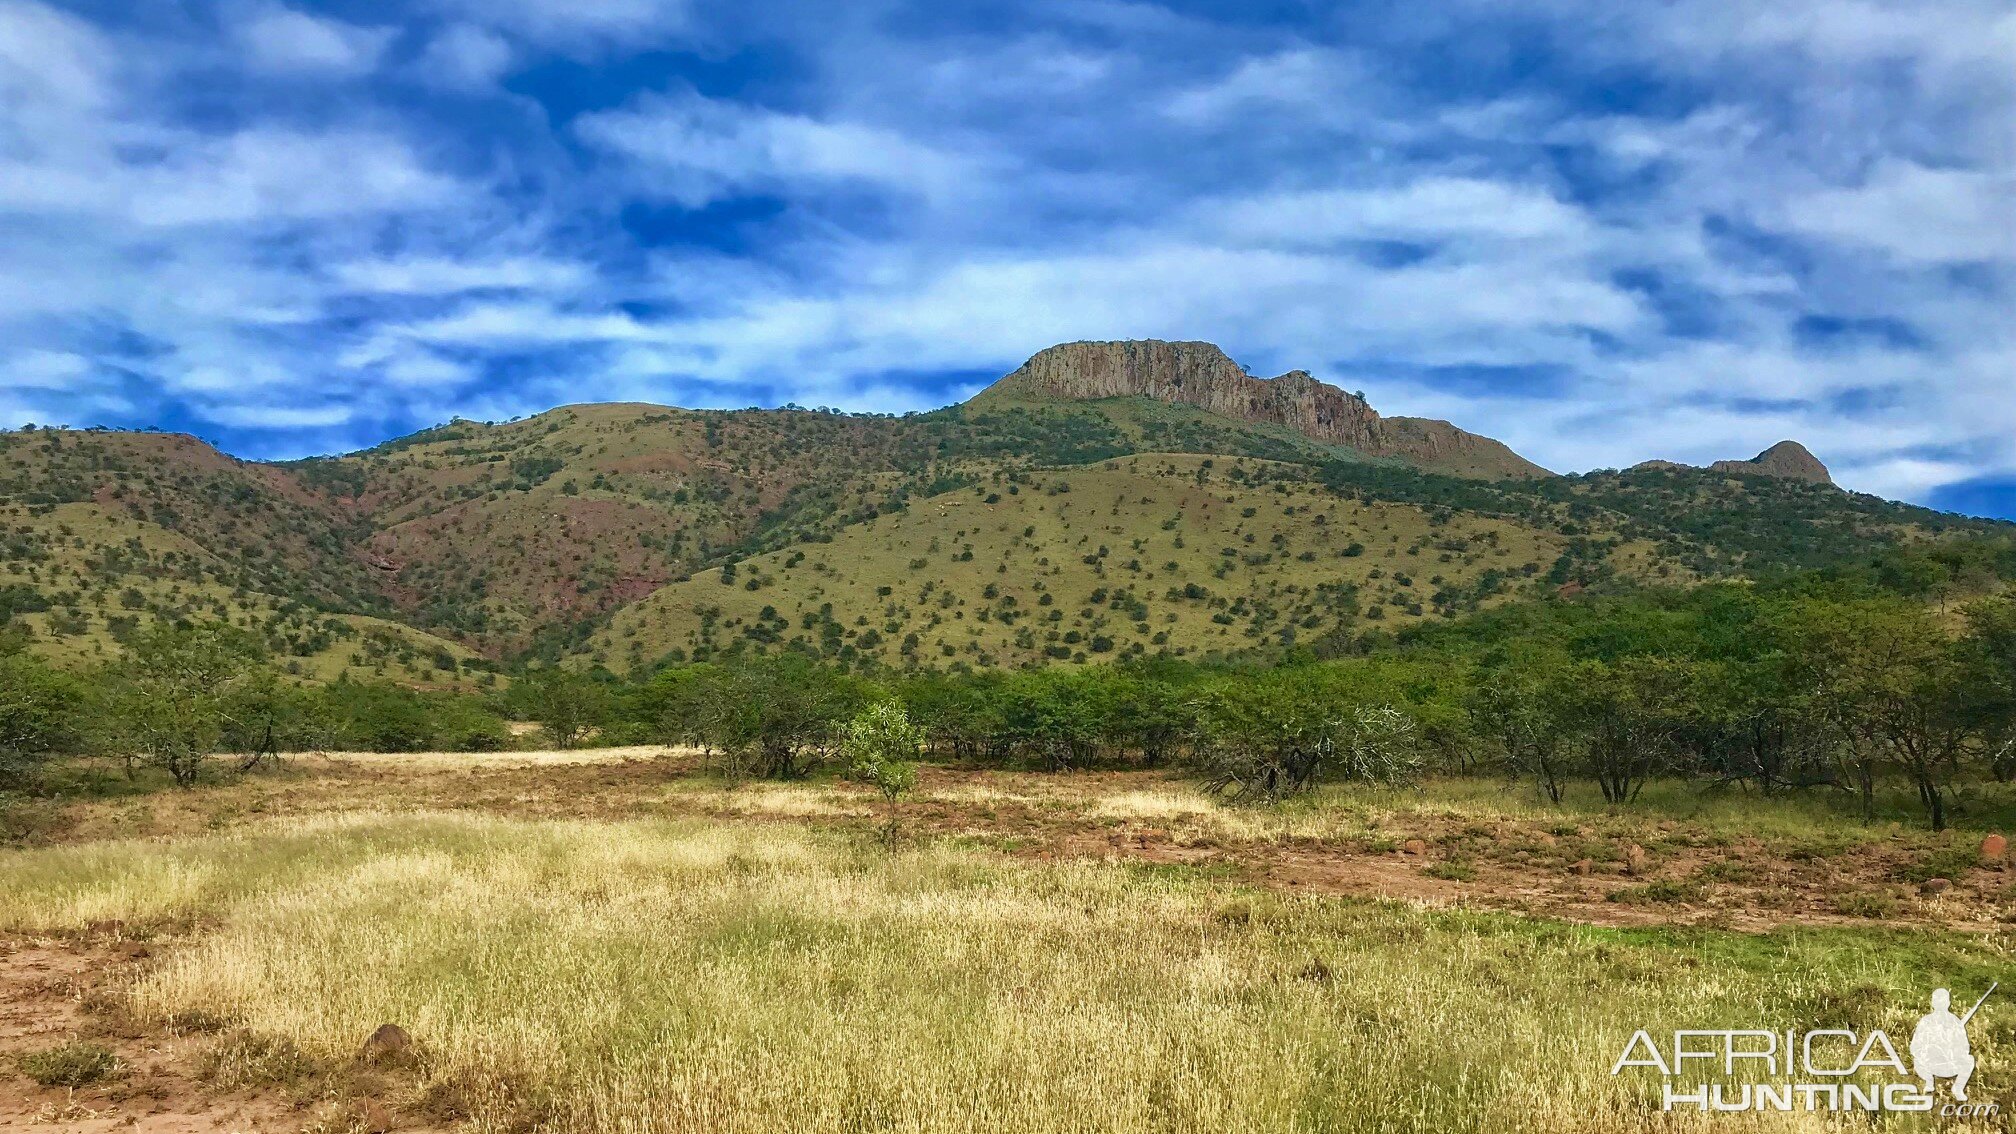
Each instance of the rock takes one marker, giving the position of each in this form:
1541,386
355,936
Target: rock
1994,848
1636,861
389,1040
1787,460
1413,846
1935,886
1200,374
1582,866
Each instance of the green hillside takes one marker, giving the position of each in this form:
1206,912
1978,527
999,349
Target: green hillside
1196,556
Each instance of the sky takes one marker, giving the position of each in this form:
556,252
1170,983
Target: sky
1601,232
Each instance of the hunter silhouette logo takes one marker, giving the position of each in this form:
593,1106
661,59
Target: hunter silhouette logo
1939,1048
1824,1069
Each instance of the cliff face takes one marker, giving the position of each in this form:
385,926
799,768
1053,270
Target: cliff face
1199,374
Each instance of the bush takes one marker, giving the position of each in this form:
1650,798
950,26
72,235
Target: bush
75,1064
880,746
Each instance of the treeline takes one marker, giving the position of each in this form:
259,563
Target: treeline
1852,679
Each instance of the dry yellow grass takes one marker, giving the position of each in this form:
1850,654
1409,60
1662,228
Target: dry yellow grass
700,976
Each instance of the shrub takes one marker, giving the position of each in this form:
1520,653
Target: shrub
75,1064
880,746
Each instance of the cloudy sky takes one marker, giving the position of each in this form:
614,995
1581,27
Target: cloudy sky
1602,232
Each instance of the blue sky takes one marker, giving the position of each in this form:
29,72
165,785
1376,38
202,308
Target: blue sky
1600,232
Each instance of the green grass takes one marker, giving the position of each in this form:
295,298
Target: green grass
75,1064
699,976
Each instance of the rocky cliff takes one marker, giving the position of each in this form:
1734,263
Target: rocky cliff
1199,374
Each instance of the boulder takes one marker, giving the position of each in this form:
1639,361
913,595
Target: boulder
1994,848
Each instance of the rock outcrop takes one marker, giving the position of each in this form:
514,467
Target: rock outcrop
1787,460
1199,374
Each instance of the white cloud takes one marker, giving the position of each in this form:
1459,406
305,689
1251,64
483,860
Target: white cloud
44,370
280,40
695,150
1916,214
249,416
444,275
577,24
465,55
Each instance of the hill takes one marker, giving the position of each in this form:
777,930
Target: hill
99,531
605,531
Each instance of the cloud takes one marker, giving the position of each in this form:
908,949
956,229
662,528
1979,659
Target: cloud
280,40
695,150
573,25
465,55
1916,214
446,275
44,370
1793,221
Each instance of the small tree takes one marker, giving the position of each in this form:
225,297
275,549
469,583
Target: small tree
880,746
171,705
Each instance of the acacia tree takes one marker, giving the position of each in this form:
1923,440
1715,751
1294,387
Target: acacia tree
1898,686
1623,717
1990,654
568,705
1514,705
1270,735
173,694
880,746
775,717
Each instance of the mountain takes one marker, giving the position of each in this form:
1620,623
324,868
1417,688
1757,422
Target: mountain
1199,374
1787,460
1103,499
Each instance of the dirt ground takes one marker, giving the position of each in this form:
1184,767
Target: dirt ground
1629,870
1618,872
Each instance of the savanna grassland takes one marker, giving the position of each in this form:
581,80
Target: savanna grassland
614,939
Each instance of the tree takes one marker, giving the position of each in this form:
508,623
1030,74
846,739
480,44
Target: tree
1623,717
1513,704
1268,735
774,717
174,692
880,747
39,715
568,705
1990,658
1898,686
